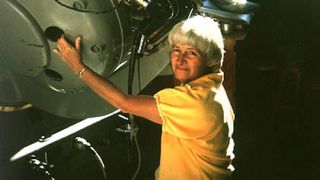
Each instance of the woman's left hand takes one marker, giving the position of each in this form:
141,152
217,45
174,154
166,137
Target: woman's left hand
69,54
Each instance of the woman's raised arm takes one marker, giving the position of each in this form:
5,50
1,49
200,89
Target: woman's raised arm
144,106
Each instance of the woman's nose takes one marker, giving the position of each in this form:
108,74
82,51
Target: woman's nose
182,57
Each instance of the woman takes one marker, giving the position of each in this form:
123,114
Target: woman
196,116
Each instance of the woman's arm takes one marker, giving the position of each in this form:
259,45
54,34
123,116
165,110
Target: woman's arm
144,106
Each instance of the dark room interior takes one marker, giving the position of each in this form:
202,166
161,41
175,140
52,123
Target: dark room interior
276,105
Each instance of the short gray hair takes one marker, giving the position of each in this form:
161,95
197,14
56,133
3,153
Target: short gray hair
202,33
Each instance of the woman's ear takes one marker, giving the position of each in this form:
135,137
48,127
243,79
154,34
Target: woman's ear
215,60
210,63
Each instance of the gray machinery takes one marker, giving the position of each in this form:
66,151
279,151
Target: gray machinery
113,32
115,35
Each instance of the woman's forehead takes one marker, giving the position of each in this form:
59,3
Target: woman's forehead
185,46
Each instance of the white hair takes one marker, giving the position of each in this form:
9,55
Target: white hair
202,33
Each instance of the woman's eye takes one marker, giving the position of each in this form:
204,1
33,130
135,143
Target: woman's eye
192,53
175,51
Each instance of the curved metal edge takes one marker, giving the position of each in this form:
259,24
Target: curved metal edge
27,16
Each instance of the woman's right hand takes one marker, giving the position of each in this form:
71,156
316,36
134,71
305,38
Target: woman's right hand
69,54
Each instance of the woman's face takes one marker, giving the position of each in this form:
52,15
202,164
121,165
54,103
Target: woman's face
186,63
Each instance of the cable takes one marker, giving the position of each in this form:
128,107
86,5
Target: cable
102,165
137,47
83,144
139,158
139,75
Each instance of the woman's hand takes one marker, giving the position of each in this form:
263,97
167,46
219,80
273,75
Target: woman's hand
69,54
144,106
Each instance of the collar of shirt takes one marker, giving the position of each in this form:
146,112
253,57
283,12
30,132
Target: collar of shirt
208,81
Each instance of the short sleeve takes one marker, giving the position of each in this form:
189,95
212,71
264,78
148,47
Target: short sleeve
188,113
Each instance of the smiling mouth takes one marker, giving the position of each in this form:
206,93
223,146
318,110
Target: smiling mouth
181,68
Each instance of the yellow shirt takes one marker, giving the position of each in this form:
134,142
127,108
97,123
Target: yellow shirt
197,126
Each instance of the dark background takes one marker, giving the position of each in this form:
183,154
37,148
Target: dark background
276,127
